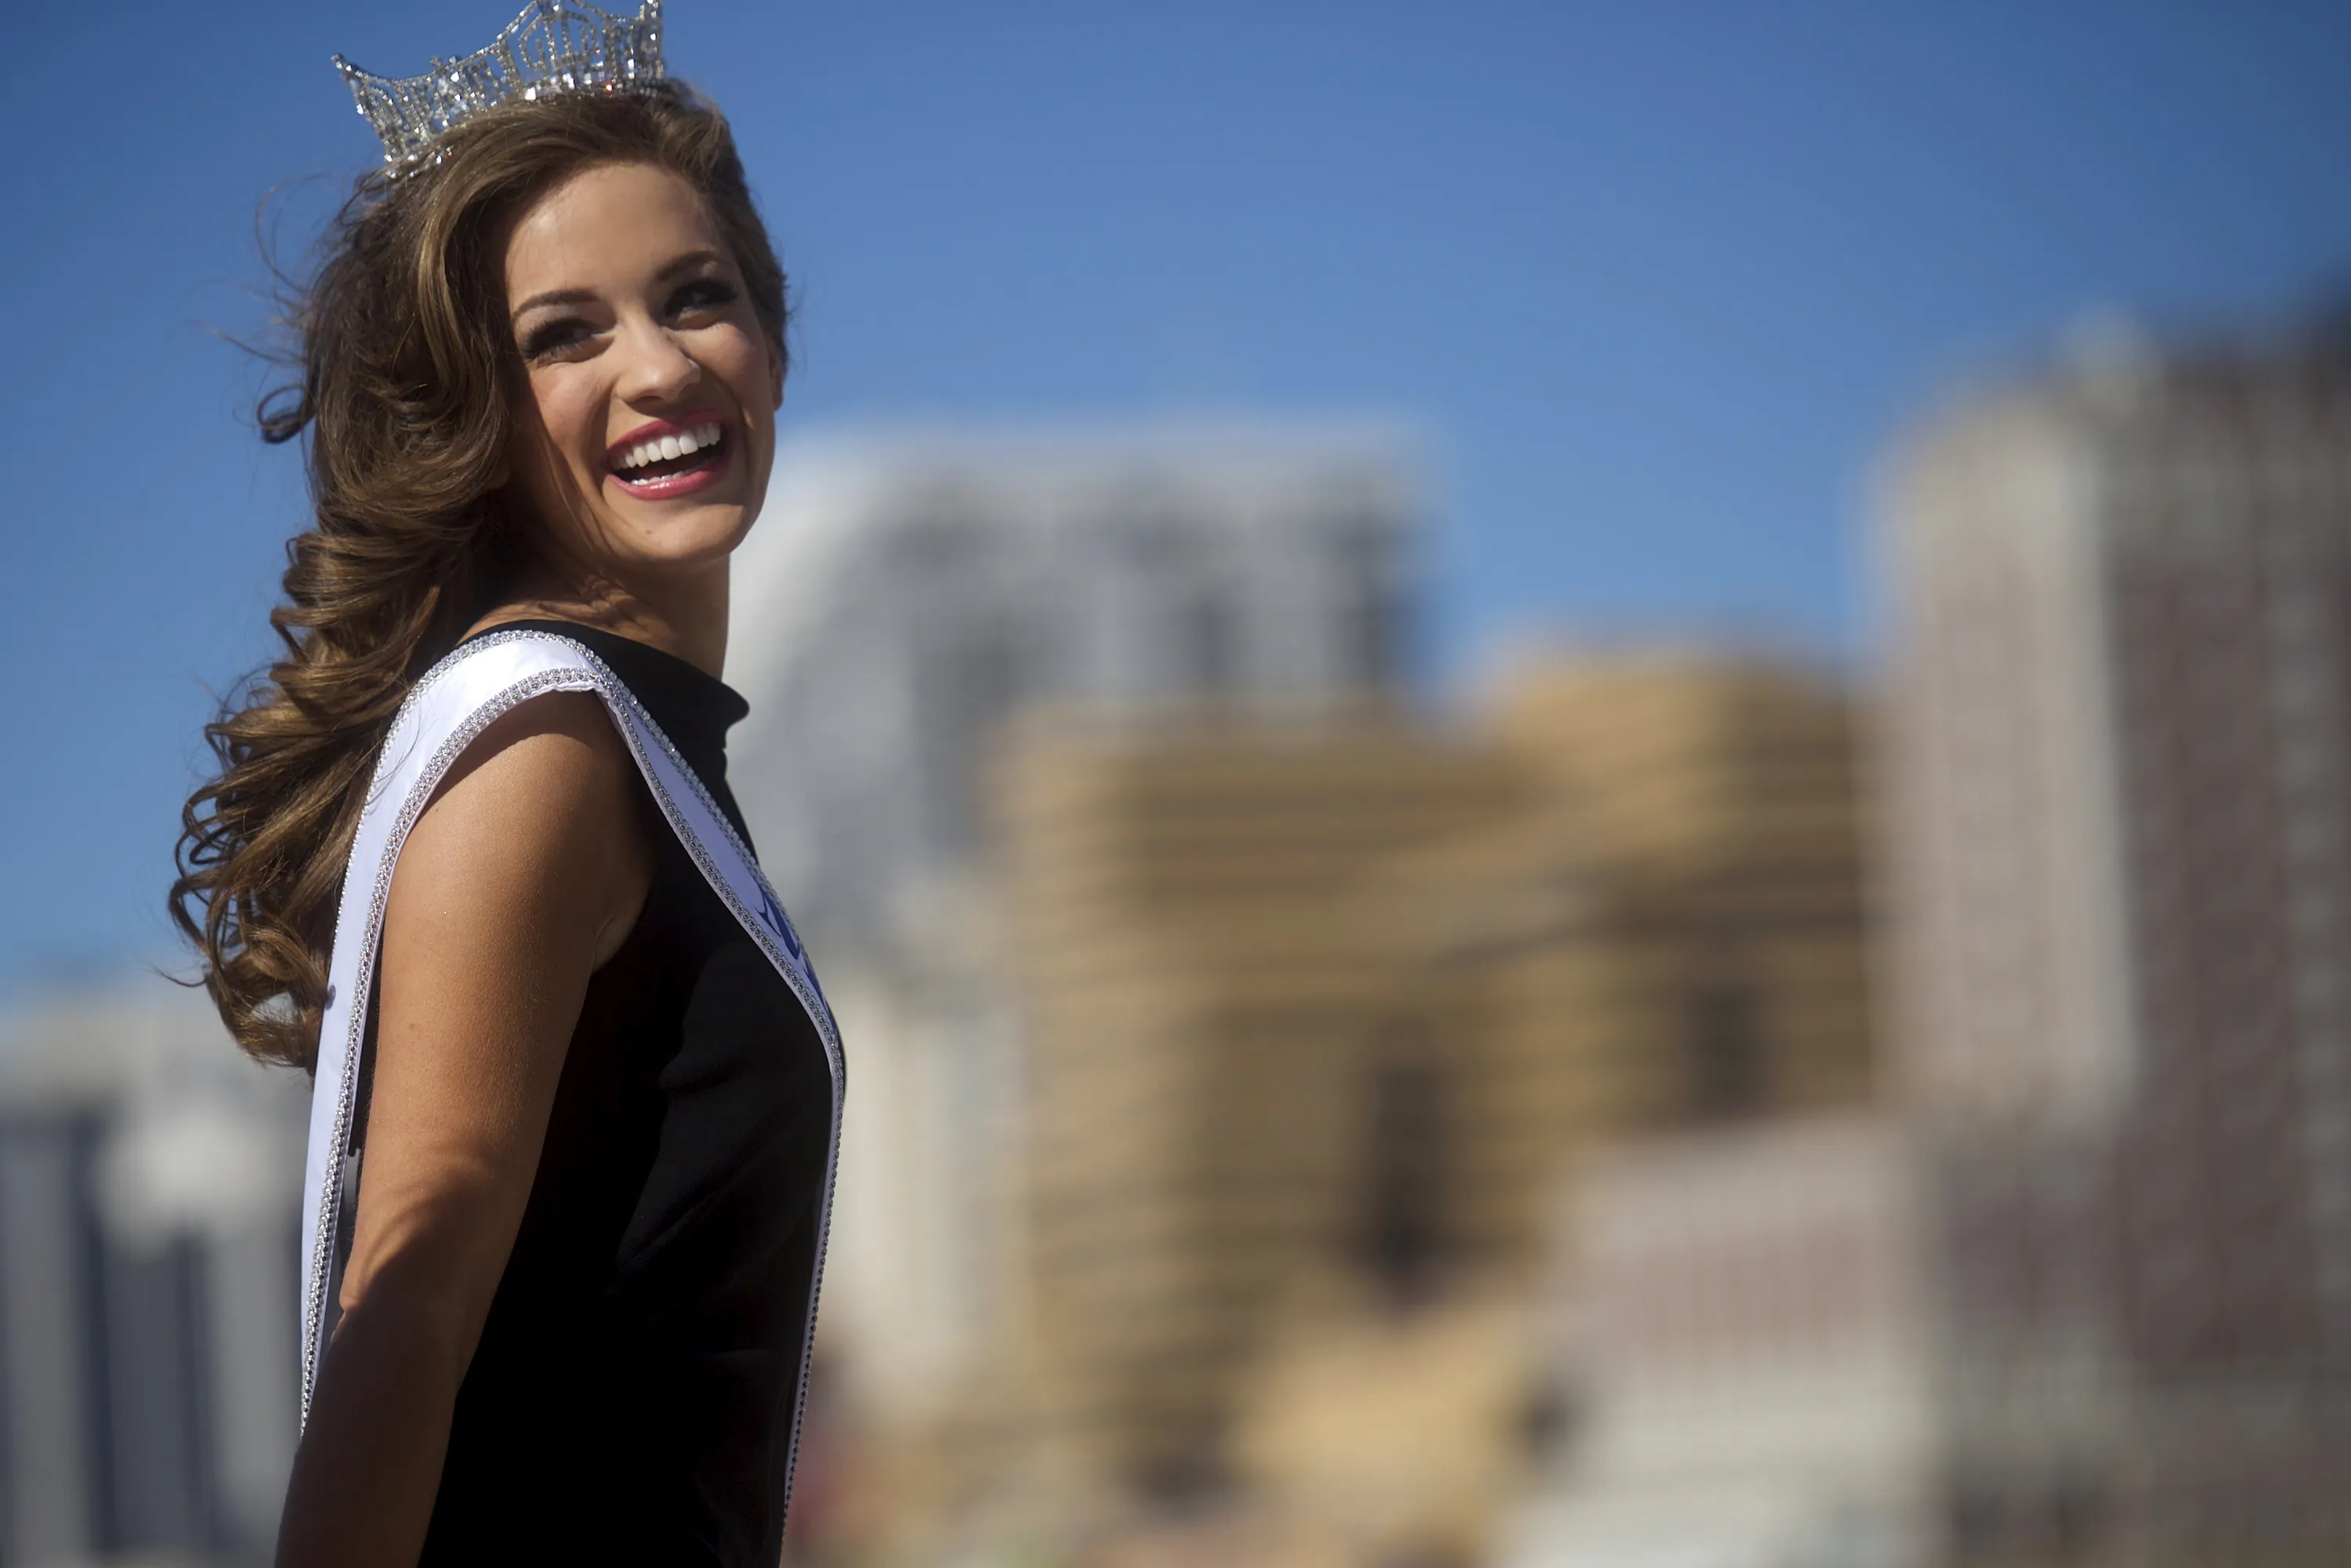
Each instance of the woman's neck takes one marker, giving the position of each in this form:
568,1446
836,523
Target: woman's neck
685,616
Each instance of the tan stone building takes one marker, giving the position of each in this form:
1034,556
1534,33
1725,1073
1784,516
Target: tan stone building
1208,1033
1673,937
1315,1017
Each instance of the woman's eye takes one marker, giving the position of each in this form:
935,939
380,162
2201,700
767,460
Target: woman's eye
552,339
705,294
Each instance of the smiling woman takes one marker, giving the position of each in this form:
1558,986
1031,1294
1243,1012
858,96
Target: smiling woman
471,858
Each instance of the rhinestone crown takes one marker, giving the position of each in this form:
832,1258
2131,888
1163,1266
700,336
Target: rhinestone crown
555,46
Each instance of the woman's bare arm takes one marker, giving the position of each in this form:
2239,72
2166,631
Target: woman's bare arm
524,873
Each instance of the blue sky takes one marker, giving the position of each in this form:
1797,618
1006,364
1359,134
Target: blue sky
1659,281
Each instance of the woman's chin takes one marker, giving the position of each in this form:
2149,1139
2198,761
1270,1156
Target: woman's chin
680,538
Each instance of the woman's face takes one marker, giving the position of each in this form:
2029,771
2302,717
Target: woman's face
644,425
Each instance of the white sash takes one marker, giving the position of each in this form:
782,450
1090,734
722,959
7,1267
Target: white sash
449,707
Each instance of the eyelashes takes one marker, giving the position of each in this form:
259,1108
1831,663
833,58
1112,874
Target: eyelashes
545,341
706,293
550,339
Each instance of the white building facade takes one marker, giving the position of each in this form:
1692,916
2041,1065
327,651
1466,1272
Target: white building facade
149,1181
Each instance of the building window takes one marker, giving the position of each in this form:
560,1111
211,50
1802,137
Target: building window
1371,633
971,685
1208,652
1407,1175
1723,1049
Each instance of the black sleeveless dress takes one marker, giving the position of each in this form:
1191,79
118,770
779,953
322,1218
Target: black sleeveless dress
634,1397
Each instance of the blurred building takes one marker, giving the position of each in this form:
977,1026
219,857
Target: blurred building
149,1178
2121,757
902,599
903,596
1673,937
2077,1295
1391,1436
1754,1359
1797,1343
1318,1014
1221,1114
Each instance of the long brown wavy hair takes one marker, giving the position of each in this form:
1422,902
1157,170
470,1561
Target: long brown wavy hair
405,365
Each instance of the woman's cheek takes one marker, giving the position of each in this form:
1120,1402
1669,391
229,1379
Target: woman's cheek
573,415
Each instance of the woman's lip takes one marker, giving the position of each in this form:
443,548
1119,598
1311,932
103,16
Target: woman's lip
669,486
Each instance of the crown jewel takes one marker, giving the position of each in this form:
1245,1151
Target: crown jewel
555,46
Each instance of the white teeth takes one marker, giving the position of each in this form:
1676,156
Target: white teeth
701,438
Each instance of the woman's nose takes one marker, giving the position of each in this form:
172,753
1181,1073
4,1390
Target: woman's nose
659,369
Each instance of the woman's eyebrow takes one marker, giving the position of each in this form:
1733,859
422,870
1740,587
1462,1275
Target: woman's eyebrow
676,265
554,297
686,263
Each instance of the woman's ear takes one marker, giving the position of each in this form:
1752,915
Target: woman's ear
775,378
503,475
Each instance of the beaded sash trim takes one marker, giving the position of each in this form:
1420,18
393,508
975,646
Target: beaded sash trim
453,704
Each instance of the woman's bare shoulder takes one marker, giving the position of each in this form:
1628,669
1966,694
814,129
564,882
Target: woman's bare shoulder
538,819
556,750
